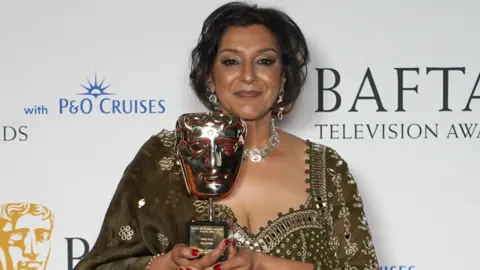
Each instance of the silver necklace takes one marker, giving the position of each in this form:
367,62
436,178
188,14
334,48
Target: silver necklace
256,154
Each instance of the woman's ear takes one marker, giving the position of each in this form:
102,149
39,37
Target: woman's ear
282,81
209,84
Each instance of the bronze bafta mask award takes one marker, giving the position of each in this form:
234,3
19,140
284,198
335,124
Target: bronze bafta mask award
209,147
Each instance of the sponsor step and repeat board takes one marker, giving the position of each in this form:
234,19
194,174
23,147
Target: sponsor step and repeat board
392,86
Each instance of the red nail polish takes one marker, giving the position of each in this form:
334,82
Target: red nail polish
217,267
226,241
195,252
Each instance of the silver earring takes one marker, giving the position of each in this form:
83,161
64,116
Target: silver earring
280,113
280,96
211,95
213,98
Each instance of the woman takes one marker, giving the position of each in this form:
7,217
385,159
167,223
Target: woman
300,198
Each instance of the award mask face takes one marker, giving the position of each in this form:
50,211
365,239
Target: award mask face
209,147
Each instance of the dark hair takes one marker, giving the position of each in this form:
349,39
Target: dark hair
289,38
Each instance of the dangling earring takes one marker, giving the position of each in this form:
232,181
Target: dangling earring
211,95
280,96
280,111
213,98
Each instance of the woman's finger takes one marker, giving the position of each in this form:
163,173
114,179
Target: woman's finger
232,249
189,268
233,263
182,251
210,258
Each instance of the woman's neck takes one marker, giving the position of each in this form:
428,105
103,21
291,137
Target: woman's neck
258,132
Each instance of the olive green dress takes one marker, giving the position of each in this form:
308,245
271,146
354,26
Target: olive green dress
151,206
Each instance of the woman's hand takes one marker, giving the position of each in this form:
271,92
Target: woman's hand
243,259
183,257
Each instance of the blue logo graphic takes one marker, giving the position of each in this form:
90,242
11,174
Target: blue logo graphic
97,100
95,90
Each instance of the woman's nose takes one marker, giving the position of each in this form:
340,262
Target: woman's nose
248,73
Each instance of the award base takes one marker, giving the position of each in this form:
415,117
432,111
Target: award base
206,236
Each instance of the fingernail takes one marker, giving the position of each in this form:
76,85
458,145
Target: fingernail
226,241
217,267
195,252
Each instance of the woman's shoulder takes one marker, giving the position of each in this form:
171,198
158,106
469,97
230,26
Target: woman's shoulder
320,151
333,159
156,150
332,173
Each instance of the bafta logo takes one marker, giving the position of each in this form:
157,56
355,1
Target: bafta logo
25,236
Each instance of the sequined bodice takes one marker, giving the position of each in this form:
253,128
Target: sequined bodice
299,234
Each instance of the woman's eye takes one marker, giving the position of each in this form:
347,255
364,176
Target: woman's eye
229,62
267,62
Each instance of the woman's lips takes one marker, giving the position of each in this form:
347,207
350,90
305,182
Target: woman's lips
248,94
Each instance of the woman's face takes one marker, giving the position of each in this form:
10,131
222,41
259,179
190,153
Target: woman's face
247,72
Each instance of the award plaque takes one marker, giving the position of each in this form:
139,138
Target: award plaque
209,147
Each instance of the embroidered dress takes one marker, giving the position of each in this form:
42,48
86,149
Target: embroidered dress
150,209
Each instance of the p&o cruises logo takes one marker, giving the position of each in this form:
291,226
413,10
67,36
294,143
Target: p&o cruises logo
97,98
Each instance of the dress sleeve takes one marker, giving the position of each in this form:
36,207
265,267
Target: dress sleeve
350,240
130,235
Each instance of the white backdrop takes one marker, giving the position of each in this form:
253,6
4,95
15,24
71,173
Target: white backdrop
420,193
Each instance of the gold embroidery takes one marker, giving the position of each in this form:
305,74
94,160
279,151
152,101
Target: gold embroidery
166,163
317,175
368,248
126,233
163,239
348,199
363,222
276,232
351,249
219,212
333,243
167,137
304,246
